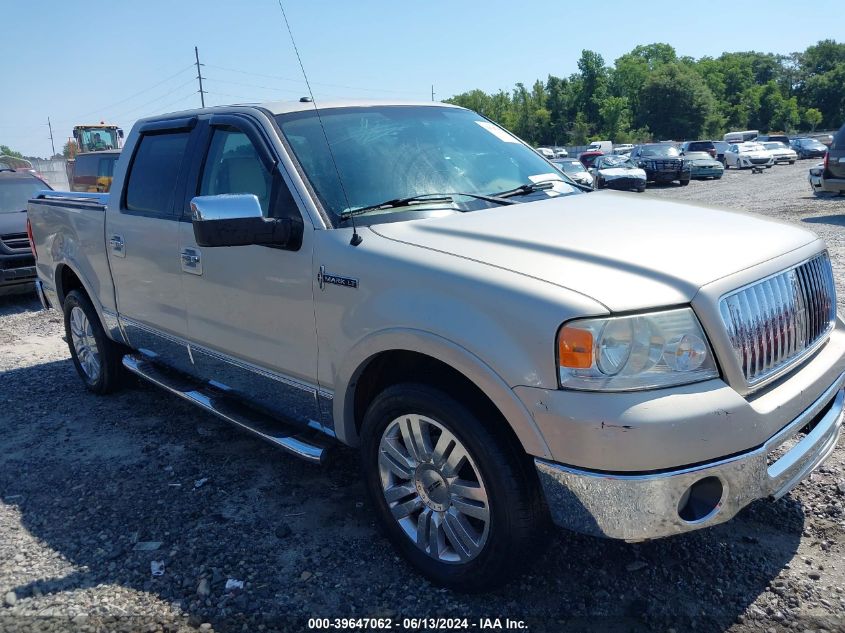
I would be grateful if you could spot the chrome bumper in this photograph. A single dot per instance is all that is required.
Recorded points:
(642, 507)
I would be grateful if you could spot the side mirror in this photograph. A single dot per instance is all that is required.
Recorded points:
(236, 220)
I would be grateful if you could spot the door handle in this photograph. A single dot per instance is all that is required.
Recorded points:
(191, 261)
(117, 245)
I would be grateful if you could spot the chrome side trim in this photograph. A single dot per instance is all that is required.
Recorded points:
(39, 290)
(282, 436)
(642, 507)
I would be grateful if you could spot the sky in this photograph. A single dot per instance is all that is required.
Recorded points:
(90, 60)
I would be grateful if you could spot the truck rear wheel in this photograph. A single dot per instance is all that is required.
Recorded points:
(460, 502)
(96, 357)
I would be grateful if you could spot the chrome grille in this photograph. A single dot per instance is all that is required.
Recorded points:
(774, 322)
(15, 241)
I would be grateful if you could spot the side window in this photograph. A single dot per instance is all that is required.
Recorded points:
(155, 169)
(233, 166)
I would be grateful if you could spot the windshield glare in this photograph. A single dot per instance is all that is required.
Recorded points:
(390, 152)
(612, 162)
(15, 193)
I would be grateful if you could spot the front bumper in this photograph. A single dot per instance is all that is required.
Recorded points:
(13, 273)
(625, 183)
(654, 505)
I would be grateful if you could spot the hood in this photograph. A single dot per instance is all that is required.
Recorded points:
(622, 172)
(627, 252)
(12, 222)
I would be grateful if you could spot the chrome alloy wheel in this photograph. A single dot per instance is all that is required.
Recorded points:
(434, 489)
(82, 336)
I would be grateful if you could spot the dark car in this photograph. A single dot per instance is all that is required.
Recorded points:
(721, 148)
(698, 146)
(17, 265)
(92, 171)
(808, 148)
(662, 163)
(831, 177)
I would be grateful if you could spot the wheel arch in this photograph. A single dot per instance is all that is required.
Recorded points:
(67, 278)
(392, 356)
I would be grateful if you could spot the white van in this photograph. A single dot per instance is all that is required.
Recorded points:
(605, 147)
(741, 137)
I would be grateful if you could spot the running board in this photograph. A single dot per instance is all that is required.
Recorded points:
(298, 440)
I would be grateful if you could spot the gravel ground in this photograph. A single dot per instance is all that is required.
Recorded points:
(94, 490)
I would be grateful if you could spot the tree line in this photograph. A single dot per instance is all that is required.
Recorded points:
(651, 93)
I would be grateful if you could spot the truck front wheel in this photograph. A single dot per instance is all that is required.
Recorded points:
(96, 357)
(458, 500)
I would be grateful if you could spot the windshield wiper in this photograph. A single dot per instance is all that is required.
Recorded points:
(528, 187)
(422, 198)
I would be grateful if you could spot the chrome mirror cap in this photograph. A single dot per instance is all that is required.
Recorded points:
(225, 207)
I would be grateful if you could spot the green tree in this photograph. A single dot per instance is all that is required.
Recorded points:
(615, 116)
(676, 102)
(812, 117)
(5, 150)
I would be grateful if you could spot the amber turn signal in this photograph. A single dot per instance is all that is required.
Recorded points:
(575, 348)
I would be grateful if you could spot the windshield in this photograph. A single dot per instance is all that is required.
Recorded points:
(697, 156)
(751, 147)
(660, 150)
(774, 145)
(14, 193)
(570, 166)
(814, 144)
(393, 152)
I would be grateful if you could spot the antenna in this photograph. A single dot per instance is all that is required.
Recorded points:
(356, 238)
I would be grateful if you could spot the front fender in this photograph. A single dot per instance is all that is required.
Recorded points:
(457, 357)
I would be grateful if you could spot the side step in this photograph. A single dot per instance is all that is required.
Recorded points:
(298, 440)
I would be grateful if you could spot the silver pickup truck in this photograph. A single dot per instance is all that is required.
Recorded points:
(504, 349)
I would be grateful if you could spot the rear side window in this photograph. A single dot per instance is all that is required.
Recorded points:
(155, 169)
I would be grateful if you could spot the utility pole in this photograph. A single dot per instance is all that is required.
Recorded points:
(199, 76)
(49, 125)
(432, 92)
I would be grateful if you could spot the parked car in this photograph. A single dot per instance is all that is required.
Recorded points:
(721, 148)
(662, 163)
(622, 148)
(699, 146)
(588, 157)
(808, 148)
(780, 152)
(560, 152)
(769, 138)
(603, 361)
(830, 177)
(748, 155)
(617, 172)
(702, 166)
(605, 147)
(546, 152)
(575, 169)
(93, 171)
(17, 265)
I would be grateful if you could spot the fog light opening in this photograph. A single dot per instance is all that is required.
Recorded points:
(701, 500)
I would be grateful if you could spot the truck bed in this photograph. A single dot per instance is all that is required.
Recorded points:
(68, 229)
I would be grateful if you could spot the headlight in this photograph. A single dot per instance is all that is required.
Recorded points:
(640, 351)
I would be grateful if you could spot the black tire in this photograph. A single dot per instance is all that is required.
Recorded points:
(518, 514)
(110, 354)
(684, 183)
(792, 162)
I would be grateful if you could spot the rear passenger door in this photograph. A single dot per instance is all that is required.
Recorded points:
(142, 235)
(250, 309)
(836, 155)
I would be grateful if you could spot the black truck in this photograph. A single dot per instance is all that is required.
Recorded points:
(662, 163)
